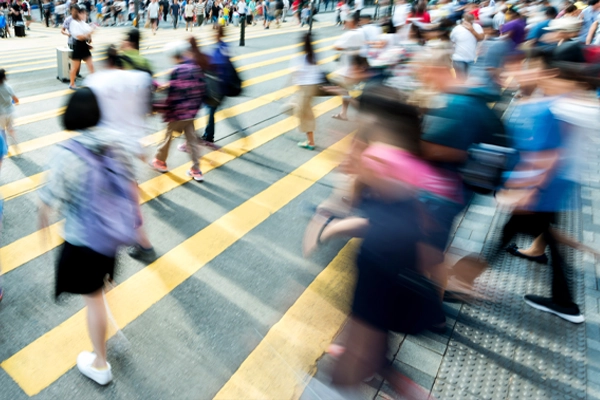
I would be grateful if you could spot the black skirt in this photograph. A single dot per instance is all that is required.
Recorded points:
(81, 270)
(81, 50)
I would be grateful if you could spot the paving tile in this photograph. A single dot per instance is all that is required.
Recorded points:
(485, 201)
(420, 377)
(593, 391)
(486, 219)
(482, 210)
(463, 233)
(479, 236)
(479, 226)
(593, 344)
(467, 245)
(419, 357)
(436, 343)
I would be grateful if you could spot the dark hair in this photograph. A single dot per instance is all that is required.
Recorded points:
(200, 58)
(592, 2)
(570, 9)
(393, 114)
(82, 110)
(2, 75)
(551, 12)
(359, 61)
(113, 58)
(308, 49)
(133, 37)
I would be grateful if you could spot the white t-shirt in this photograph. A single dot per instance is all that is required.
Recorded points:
(371, 33)
(358, 5)
(498, 20)
(400, 14)
(60, 9)
(351, 43)
(153, 10)
(79, 28)
(306, 73)
(465, 44)
(189, 10)
(124, 100)
(242, 8)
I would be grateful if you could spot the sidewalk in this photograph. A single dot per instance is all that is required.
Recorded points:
(501, 348)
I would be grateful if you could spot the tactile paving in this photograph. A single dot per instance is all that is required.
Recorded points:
(503, 349)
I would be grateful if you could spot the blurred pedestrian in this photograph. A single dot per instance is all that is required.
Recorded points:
(91, 182)
(82, 37)
(8, 99)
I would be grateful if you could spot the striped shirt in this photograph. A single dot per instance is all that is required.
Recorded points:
(199, 8)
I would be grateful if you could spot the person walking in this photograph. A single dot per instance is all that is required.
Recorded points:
(153, 9)
(465, 37)
(85, 199)
(184, 100)
(307, 76)
(188, 13)
(175, 11)
(8, 100)
(82, 35)
(26, 7)
(199, 10)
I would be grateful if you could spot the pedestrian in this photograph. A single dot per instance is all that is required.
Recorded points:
(465, 37)
(175, 11)
(47, 9)
(8, 100)
(184, 100)
(124, 96)
(305, 15)
(189, 11)
(165, 9)
(81, 187)
(307, 76)
(82, 36)
(26, 13)
(199, 10)
(59, 13)
(220, 64)
(153, 9)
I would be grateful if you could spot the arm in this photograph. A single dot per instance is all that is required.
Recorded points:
(592, 31)
(470, 28)
(15, 99)
(440, 153)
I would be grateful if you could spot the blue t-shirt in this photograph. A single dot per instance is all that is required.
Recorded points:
(175, 9)
(588, 16)
(532, 128)
(537, 31)
(99, 8)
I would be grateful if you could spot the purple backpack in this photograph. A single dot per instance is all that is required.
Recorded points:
(110, 211)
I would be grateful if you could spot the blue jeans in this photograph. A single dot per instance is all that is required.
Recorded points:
(209, 131)
(461, 68)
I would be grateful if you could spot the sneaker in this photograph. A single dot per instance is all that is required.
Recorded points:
(85, 360)
(160, 166)
(196, 174)
(142, 254)
(569, 313)
(183, 147)
(210, 145)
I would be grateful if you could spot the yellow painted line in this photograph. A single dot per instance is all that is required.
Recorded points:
(280, 73)
(39, 116)
(22, 186)
(32, 246)
(45, 96)
(278, 59)
(43, 361)
(39, 143)
(292, 347)
(159, 50)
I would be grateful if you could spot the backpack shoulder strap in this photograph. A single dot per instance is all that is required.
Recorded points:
(80, 150)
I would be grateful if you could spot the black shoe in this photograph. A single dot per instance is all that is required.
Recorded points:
(139, 253)
(514, 250)
(569, 313)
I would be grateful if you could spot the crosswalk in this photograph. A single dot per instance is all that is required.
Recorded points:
(269, 315)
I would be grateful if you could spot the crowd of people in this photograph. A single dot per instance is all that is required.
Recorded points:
(421, 79)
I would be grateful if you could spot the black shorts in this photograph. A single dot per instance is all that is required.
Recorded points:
(81, 50)
(153, 20)
(81, 270)
(189, 19)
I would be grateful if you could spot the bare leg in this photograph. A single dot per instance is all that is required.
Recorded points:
(537, 248)
(74, 68)
(347, 227)
(89, 64)
(97, 324)
(310, 136)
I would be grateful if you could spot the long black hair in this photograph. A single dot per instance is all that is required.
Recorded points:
(308, 49)
(82, 110)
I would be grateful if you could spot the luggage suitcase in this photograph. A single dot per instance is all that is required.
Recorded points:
(63, 63)
(20, 30)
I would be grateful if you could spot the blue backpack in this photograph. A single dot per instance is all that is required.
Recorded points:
(2, 21)
(110, 211)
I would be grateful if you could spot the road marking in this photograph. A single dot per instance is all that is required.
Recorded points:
(30, 119)
(46, 359)
(160, 50)
(29, 247)
(290, 350)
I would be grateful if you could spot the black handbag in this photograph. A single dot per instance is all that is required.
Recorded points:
(485, 166)
(213, 94)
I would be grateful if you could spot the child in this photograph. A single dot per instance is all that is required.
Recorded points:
(305, 15)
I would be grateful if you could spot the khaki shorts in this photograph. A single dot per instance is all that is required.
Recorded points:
(6, 122)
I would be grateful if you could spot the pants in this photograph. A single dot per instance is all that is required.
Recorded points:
(539, 224)
(209, 132)
(165, 13)
(175, 21)
(47, 16)
(200, 19)
(187, 127)
(461, 68)
(304, 110)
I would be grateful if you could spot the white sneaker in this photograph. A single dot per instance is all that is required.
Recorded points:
(85, 360)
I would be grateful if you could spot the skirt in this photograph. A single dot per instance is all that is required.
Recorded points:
(81, 50)
(81, 270)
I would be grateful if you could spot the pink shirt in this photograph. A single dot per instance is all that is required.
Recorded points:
(398, 164)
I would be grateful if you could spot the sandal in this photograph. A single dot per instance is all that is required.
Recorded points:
(514, 250)
(339, 116)
(307, 146)
(312, 235)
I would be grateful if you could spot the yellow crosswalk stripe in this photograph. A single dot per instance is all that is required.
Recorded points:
(290, 350)
(43, 361)
(33, 245)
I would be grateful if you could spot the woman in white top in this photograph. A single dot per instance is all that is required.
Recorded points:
(307, 76)
(81, 33)
(188, 14)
